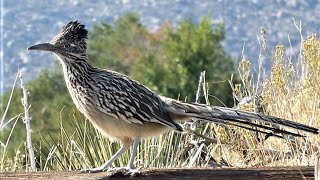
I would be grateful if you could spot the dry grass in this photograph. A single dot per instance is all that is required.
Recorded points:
(290, 91)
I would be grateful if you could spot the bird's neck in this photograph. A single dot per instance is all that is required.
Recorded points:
(76, 68)
(76, 72)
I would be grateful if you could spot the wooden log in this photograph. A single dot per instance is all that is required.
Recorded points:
(292, 173)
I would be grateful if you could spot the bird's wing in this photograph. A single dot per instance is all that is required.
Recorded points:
(130, 101)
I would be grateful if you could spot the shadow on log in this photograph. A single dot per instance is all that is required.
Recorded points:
(292, 173)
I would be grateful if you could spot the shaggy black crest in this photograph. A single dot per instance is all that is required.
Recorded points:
(74, 30)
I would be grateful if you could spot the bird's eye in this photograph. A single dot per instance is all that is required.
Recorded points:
(67, 46)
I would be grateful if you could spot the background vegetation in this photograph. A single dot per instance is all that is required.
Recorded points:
(169, 61)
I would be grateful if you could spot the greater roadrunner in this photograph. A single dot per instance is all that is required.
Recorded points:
(124, 109)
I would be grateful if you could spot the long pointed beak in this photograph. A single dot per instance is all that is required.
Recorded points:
(43, 47)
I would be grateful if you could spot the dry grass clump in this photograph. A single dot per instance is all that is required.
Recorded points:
(290, 91)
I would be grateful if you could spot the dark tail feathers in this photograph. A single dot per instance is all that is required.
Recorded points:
(249, 120)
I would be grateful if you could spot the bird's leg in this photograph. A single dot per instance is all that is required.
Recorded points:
(109, 162)
(129, 170)
(133, 152)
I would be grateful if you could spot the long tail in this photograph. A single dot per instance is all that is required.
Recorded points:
(249, 120)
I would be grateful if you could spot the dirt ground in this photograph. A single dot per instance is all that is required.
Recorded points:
(269, 173)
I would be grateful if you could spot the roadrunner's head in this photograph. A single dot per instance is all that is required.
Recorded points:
(69, 43)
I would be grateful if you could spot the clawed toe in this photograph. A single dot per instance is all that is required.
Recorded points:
(125, 171)
(93, 170)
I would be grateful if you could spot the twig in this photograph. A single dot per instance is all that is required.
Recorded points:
(316, 168)
(208, 139)
(191, 125)
(192, 122)
(201, 78)
(27, 122)
(264, 43)
(205, 88)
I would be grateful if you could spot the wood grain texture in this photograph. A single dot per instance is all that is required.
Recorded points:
(292, 173)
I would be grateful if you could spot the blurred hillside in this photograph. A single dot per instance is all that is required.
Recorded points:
(24, 24)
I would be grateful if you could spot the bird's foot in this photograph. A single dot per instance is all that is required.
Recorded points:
(125, 171)
(94, 170)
